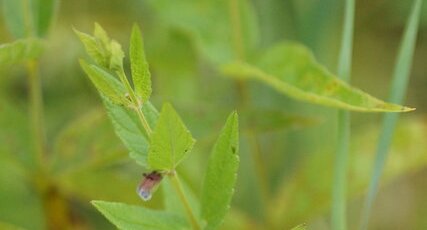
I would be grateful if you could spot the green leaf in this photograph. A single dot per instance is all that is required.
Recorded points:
(25, 18)
(20, 50)
(218, 186)
(170, 142)
(291, 69)
(106, 84)
(139, 66)
(43, 12)
(13, 12)
(128, 128)
(134, 217)
(216, 27)
(92, 49)
(117, 55)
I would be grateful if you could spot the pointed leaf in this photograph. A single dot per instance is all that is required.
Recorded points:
(139, 66)
(135, 217)
(43, 12)
(13, 12)
(127, 127)
(92, 49)
(221, 175)
(170, 142)
(105, 83)
(291, 69)
(20, 50)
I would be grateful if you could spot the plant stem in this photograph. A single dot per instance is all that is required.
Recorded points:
(338, 215)
(36, 113)
(136, 103)
(177, 185)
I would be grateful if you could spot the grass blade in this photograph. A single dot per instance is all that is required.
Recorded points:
(397, 92)
(341, 160)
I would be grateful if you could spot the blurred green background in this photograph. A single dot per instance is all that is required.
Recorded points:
(287, 181)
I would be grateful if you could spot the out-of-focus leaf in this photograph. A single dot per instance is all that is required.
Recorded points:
(86, 142)
(210, 23)
(20, 50)
(13, 12)
(20, 204)
(139, 66)
(128, 128)
(15, 141)
(266, 120)
(221, 174)
(29, 17)
(134, 217)
(170, 142)
(308, 193)
(106, 84)
(291, 69)
(43, 13)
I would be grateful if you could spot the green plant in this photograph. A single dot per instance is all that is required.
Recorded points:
(162, 146)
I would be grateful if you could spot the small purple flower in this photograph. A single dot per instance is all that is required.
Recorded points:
(149, 184)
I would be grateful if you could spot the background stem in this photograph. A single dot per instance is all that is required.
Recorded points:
(36, 113)
(338, 215)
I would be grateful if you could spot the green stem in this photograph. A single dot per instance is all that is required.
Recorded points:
(177, 185)
(338, 215)
(36, 112)
(136, 103)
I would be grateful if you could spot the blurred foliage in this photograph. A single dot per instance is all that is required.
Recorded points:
(89, 161)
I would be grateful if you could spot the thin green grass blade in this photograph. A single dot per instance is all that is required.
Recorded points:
(338, 218)
(397, 92)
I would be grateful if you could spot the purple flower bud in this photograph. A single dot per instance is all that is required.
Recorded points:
(148, 184)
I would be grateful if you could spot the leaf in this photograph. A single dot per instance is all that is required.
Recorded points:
(43, 12)
(213, 25)
(25, 18)
(218, 186)
(106, 84)
(170, 141)
(134, 217)
(20, 50)
(139, 66)
(291, 69)
(117, 55)
(13, 11)
(91, 47)
(127, 127)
